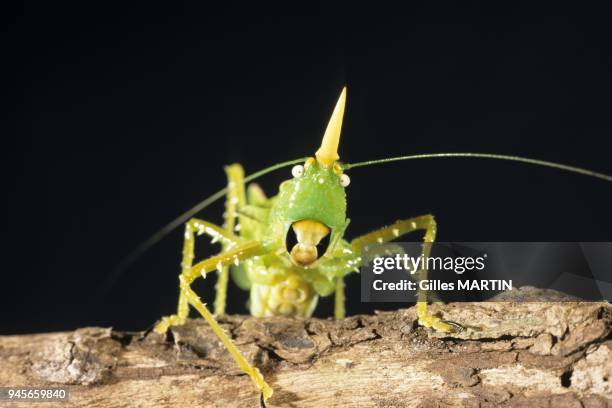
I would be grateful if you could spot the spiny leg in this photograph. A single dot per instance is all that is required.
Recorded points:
(394, 231)
(235, 199)
(238, 254)
(235, 256)
(192, 227)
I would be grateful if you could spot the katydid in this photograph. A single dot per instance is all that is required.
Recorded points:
(286, 279)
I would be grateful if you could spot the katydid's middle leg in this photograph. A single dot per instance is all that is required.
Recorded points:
(339, 309)
(394, 231)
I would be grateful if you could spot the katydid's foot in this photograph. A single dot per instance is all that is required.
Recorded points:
(440, 325)
(167, 321)
(428, 320)
(265, 391)
(458, 328)
(254, 373)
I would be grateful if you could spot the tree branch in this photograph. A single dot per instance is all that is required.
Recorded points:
(512, 353)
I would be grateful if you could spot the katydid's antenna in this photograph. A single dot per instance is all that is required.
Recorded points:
(159, 235)
(544, 163)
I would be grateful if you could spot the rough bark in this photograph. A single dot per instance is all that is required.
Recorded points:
(549, 354)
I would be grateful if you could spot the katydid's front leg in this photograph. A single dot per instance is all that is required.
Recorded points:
(235, 256)
(192, 228)
(394, 231)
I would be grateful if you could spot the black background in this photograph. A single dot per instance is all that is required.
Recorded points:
(123, 117)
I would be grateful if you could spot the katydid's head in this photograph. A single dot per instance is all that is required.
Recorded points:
(312, 205)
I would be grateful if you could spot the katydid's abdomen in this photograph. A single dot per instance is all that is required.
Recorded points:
(279, 288)
(289, 295)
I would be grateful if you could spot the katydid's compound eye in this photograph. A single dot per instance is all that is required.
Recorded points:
(297, 171)
(345, 180)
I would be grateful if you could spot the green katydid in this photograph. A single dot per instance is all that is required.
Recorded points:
(311, 205)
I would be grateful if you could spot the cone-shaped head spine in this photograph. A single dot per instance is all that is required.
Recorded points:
(327, 154)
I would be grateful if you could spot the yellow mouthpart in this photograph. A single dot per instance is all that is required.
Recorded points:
(309, 233)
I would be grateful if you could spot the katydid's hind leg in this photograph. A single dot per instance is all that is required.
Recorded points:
(235, 200)
(192, 228)
(394, 231)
